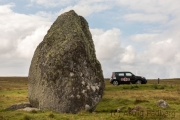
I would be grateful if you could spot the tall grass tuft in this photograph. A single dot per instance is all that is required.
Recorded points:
(155, 86)
(26, 117)
(1, 118)
(178, 90)
(162, 87)
(33, 111)
(134, 86)
(51, 115)
(140, 100)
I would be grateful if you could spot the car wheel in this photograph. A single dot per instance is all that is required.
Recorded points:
(139, 82)
(115, 83)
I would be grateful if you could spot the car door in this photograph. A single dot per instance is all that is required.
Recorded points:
(119, 77)
(129, 77)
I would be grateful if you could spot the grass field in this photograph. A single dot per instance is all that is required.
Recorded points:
(14, 90)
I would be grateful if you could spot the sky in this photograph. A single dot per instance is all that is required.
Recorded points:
(141, 36)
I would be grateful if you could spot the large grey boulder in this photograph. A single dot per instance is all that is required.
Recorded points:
(65, 75)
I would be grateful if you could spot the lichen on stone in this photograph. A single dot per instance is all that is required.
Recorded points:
(65, 64)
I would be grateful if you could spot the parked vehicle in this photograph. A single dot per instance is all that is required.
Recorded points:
(126, 78)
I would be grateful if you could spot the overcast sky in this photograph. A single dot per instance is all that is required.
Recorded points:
(141, 36)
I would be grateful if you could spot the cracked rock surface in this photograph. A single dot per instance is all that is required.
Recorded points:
(65, 75)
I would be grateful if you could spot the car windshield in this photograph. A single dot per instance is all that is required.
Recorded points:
(128, 74)
(120, 74)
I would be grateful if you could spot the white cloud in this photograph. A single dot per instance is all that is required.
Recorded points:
(165, 12)
(177, 58)
(129, 56)
(83, 8)
(19, 28)
(163, 52)
(20, 34)
(4, 9)
(152, 6)
(152, 53)
(55, 3)
(48, 15)
(107, 43)
(108, 48)
(52, 3)
(27, 46)
(86, 10)
(146, 37)
(160, 58)
(148, 18)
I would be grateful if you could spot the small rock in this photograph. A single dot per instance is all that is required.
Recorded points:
(162, 104)
(30, 109)
(19, 106)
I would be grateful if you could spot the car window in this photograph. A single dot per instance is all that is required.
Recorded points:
(128, 74)
(120, 74)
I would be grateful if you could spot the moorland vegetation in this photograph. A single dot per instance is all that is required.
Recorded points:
(123, 102)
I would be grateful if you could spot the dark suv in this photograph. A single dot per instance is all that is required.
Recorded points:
(126, 78)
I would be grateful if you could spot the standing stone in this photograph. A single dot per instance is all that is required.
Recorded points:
(65, 75)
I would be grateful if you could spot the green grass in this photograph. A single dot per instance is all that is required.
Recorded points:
(14, 90)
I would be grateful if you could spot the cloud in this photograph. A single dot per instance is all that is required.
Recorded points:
(161, 55)
(149, 6)
(151, 51)
(145, 37)
(107, 43)
(160, 58)
(4, 9)
(148, 18)
(18, 27)
(129, 55)
(160, 45)
(177, 58)
(51, 16)
(163, 52)
(162, 11)
(52, 3)
(26, 46)
(108, 48)
(20, 34)
(86, 10)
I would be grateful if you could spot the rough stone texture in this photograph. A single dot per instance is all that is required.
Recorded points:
(19, 106)
(30, 109)
(162, 104)
(65, 75)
